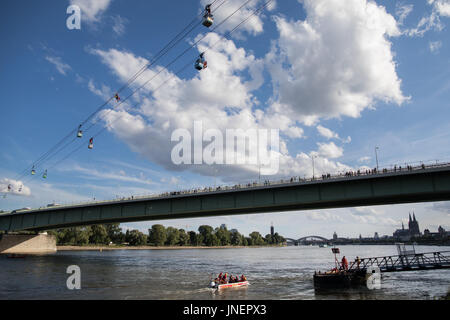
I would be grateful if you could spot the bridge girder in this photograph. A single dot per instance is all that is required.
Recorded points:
(379, 189)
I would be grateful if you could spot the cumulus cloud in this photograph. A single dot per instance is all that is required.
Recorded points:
(103, 92)
(330, 150)
(329, 134)
(59, 64)
(335, 63)
(15, 187)
(91, 10)
(441, 6)
(220, 97)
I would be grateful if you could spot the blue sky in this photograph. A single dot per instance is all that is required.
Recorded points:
(335, 79)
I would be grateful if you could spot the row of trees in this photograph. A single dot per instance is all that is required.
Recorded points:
(159, 235)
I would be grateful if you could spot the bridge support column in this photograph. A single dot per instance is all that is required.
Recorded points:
(27, 244)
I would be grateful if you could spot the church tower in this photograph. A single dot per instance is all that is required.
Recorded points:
(414, 230)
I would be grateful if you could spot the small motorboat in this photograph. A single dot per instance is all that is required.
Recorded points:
(217, 286)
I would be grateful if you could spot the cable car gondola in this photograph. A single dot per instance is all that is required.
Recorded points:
(208, 19)
(33, 172)
(45, 174)
(201, 63)
(80, 132)
(91, 143)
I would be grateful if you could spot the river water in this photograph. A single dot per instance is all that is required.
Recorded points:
(274, 273)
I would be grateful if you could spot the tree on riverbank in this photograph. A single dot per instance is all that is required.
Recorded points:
(210, 237)
(160, 236)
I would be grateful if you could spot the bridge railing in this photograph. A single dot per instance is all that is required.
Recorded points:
(403, 261)
(421, 165)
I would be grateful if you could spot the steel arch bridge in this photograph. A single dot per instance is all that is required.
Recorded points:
(311, 238)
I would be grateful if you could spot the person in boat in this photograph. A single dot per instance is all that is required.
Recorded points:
(224, 279)
(344, 263)
(217, 280)
(243, 278)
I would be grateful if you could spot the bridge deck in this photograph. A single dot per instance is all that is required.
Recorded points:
(420, 184)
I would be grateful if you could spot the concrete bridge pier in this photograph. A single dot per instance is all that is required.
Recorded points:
(27, 244)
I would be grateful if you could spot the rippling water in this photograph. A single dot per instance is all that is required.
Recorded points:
(274, 273)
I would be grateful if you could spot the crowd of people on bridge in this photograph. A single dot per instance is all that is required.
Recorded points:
(294, 179)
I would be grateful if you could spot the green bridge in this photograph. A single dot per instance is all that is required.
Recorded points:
(418, 184)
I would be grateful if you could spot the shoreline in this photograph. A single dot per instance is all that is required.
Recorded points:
(112, 248)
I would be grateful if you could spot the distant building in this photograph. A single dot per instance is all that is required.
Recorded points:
(413, 226)
(272, 230)
(402, 234)
(335, 236)
(376, 236)
(441, 234)
(413, 230)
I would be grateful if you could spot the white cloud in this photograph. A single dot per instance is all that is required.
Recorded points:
(121, 175)
(330, 150)
(59, 64)
(104, 92)
(403, 11)
(220, 96)
(374, 220)
(323, 216)
(119, 25)
(432, 21)
(435, 46)
(441, 6)
(364, 159)
(16, 187)
(441, 207)
(91, 10)
(337, 62)
(327, 133)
